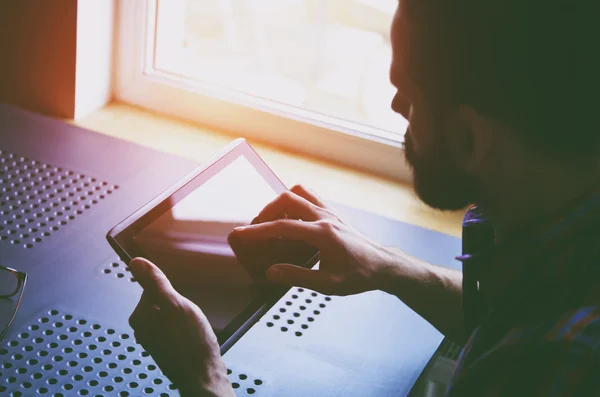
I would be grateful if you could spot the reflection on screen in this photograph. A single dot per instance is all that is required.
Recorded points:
(190, 240)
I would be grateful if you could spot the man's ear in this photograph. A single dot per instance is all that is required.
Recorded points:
(469, 137)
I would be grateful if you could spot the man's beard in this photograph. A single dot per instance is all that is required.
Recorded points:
(439, 182)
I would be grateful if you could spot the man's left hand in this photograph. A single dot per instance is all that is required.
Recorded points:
(177, 335)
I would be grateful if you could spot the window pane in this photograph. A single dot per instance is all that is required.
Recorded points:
(328, 56)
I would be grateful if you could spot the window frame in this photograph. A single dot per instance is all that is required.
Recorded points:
(137, 82)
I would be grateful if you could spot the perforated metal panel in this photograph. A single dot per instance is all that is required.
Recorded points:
(60, 354)
(37, 199)
(298, 309)
(117, 269)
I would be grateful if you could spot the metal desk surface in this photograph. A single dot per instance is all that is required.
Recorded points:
(62, 188)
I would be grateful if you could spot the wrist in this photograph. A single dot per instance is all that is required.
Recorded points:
(394, 270)
(212, 382)
(219, 387)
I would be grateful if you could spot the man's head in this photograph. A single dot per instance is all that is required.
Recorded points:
(485, 83)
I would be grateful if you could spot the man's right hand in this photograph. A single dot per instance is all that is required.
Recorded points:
(350, 262)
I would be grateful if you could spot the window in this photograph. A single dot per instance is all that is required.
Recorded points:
(309, 75)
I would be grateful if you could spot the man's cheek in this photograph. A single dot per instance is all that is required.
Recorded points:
(421, 129)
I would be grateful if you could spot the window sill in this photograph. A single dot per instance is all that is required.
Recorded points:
(331, 181)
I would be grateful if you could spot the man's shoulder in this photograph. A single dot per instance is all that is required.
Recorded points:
(577, 329)
(557, 356)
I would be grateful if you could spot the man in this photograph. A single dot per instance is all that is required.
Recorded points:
(501, 102)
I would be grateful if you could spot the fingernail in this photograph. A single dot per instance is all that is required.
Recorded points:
(240, 239)
(274, 274)
(138, 264)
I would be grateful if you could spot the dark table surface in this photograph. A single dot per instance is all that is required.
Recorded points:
(62, 188)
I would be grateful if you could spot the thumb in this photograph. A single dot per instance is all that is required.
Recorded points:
(153, 281)
(298, 276)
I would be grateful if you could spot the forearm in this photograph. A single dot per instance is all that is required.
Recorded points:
(432, 291)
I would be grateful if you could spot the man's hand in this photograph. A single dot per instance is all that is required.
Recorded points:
(177, 335)
(350, 263)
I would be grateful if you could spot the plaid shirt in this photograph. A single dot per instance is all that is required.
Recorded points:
(532, 307)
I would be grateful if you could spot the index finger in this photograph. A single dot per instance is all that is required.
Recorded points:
(289, 205)
(288, 229)
(308, 194)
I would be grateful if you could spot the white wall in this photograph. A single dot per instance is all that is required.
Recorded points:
(94, 61)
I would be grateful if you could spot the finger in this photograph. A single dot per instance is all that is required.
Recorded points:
(151, 341)
(284, 228)
(301, 277)
(154, 282)
(143, 312)
(148, 325)
(308, 194)
(289, 205)
(135, 319)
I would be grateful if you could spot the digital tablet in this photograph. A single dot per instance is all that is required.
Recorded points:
(184, 231)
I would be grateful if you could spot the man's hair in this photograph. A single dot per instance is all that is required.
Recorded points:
(531, 64)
